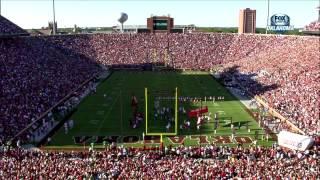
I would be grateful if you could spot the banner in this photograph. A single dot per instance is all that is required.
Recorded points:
(294, 141)
(197, 112)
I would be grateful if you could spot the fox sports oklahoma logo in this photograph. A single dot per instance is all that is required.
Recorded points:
(280, 23)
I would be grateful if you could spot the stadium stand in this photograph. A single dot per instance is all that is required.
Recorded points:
(35, 76)
(209, 162)
(290, 64)
(313, 26)
(8, 28)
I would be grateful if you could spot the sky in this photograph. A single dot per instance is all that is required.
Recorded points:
(104, 13)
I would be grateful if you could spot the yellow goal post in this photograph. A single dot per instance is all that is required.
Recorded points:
(175, 117)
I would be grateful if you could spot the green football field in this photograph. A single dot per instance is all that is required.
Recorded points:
(104, 116)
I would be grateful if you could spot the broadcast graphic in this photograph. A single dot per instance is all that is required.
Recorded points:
(280, 23)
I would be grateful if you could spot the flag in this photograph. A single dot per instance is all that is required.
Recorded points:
(134, 101)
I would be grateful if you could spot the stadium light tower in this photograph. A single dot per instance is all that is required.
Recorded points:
(268, 1)
(54, 18)
(318, 8)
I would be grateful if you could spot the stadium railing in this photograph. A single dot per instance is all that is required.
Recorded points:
(274, 113)
(271, 110)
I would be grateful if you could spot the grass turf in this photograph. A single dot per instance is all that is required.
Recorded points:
(108, 111)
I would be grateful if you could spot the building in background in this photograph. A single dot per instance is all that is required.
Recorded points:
(247, 21)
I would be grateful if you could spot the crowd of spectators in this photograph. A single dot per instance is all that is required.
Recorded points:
(9, 28)
(313, 26)
(34, 77)
(291, 67)
(206, 162)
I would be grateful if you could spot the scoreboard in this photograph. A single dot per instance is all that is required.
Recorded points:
(160, 24)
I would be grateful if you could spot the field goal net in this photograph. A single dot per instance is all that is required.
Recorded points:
(161, 115)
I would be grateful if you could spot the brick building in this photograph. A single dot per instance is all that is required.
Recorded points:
(247, 21)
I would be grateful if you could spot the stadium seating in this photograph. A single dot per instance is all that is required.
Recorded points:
(35, 76)
(9, 28)
(290, 64)
(208, 162)
(313, 26)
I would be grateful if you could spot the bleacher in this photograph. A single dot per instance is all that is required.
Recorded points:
(9, 29)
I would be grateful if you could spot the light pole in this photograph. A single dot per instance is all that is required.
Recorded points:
(268, 17)
(318, 8)
(54, 18)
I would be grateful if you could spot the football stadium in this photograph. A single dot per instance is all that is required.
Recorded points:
(161, 101)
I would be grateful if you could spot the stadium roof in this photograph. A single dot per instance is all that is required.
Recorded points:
(8, 28)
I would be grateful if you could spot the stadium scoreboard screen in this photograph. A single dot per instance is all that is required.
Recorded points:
(160, 24)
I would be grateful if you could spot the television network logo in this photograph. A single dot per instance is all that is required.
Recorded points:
(280, 23)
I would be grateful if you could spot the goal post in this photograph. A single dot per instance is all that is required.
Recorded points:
(146, 111)
(148, 133)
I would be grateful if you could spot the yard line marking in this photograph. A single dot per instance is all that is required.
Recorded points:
(104, 119)
(100, 113)
(221, 112)
(101, 123)
(105, 105)
(94, 122)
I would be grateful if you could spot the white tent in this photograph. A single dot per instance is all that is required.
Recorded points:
(294, 141)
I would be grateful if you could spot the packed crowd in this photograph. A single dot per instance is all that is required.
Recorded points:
(291, 68)
(313, 26)
(34, 77)
(206, 162)
(9, 28)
